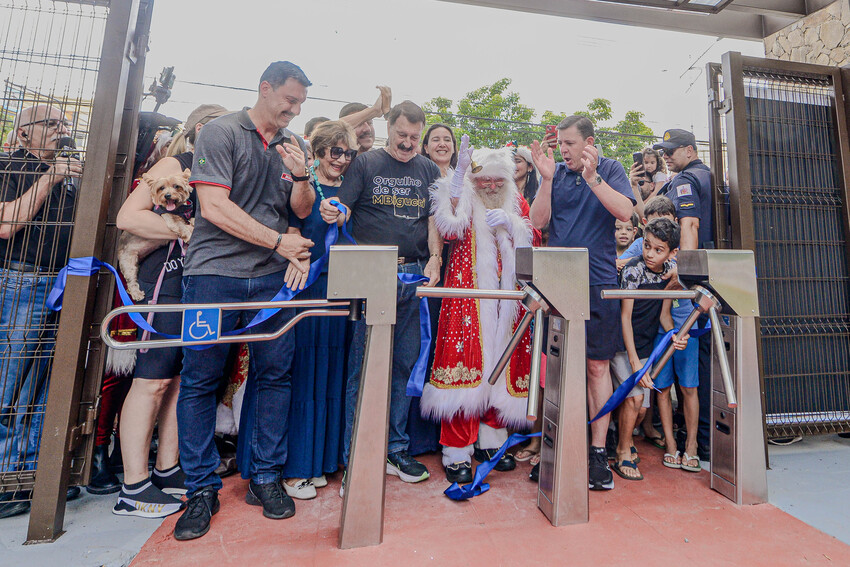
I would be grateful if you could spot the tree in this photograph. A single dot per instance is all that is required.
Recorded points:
(490, 115)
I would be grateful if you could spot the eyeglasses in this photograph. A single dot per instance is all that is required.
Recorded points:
(337, 152)
(670, 152)
(489, 182)
(51, 123)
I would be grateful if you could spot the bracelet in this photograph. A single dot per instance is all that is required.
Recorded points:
(439, 256)
(277, 244)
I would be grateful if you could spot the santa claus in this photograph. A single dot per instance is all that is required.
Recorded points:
(478, 210)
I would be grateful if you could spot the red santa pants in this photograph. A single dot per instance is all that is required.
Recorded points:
(462, 431)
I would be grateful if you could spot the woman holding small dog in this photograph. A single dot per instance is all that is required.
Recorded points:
(163, 191)
(318, 369)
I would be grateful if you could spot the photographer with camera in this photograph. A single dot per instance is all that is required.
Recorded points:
(39, 195)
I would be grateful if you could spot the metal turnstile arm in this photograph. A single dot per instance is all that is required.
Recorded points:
(720, 351)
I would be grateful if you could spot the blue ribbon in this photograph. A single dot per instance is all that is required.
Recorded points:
(416, 381)
(478, 486)
(623, 391)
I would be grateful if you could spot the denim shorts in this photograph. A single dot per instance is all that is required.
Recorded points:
(684, 366)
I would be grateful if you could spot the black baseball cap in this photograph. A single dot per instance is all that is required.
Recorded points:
(675, 138)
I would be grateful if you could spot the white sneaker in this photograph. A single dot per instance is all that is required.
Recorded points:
(319, 481)
(342, 486)
(303, 490)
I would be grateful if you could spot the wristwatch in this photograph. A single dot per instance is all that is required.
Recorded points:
(299, 178)
(595, 182)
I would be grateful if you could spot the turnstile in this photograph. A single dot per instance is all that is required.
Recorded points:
(355, 274)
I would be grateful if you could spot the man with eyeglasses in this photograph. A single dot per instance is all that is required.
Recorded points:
(36, 217)
(690, 191)
(385, 193)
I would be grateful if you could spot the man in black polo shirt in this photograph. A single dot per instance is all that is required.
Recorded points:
(249, 172)
(386, 195)
(690, 191)
(38, 195)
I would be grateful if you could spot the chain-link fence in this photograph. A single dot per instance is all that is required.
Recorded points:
(49, 58)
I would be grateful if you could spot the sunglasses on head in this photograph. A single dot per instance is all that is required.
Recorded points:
(337, 152)
(51, 123)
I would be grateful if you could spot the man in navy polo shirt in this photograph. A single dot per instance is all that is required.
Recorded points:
(690, 191)
(579, 200)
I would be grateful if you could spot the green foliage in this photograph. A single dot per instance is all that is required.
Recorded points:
(492, 116)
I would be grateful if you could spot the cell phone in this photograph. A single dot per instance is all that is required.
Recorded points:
(551, 135)
(551, 129)
(638, 157)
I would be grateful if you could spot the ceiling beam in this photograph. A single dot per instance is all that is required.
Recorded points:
(727, 23)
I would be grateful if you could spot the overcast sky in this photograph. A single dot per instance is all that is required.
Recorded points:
(428, 48)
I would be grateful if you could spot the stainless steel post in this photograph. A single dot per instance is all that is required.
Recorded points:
(367, 272)
(534, 375)
(738, 463)
(720, 352)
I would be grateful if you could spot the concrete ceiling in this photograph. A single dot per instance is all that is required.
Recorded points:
(740, 19)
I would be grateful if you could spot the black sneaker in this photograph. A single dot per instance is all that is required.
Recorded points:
(276, 503)
(172, 481)
(145, 501)
(14, 503)
(200, 509)
(405, 467)
(460, 473)
(506, 463)
(600, 477)
(534, 475)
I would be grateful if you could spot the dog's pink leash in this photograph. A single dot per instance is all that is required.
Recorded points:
(146, 335)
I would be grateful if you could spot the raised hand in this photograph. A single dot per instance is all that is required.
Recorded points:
(464, 159)
(544, 160)
(293, 158)
(589, 160)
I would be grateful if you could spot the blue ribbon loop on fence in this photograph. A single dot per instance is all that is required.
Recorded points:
(623, 391)
(478, 486)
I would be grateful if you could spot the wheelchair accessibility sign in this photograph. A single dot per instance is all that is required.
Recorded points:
(201, 325)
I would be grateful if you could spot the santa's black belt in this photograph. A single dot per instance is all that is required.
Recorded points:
(409, 260)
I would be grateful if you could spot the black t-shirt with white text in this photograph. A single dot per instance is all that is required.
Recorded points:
(389, 201)
(646, 313)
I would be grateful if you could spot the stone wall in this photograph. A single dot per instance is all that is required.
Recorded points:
(822, 37)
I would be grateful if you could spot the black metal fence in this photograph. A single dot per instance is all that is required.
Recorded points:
(49, 57)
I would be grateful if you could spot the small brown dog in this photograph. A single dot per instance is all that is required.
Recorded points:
(170, 196)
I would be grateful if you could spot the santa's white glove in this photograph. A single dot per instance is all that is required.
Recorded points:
(464, 158)
(496, 218)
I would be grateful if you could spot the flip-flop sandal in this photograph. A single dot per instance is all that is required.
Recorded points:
(635, 456)
(687, 459)
(535, 460)
(658, 442)
(619, 465)
(524, 455)
(676, 464)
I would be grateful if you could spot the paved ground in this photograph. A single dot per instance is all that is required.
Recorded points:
(670, 516)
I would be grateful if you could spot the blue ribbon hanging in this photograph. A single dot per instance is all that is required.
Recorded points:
(416, 381)
(623, 391)
(478, 486)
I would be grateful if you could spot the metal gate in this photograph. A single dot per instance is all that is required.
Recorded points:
(84, 58)
(787, 166)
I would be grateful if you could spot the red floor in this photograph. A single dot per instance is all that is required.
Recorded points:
(670, 518)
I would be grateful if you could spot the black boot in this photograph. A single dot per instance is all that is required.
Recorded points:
(103, 481)
(115, 462)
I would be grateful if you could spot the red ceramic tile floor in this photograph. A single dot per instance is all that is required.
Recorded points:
(670, 518)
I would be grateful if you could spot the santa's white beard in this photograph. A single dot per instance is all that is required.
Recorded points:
(491, 201)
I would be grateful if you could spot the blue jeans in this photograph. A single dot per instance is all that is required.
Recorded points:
(405, 353)
(27, 347)
(270, 361)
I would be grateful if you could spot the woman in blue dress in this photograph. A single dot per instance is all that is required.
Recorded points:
(318, 371)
